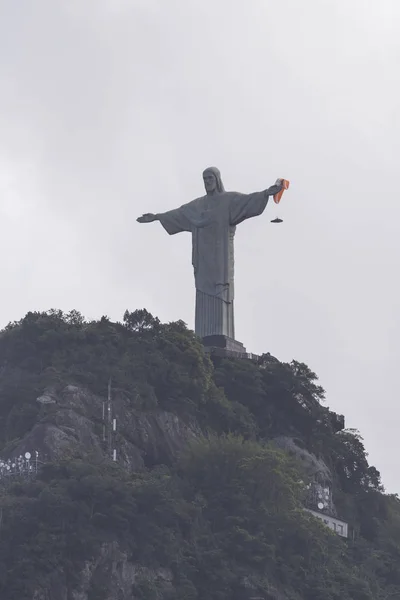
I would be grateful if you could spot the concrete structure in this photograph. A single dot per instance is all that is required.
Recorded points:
(337, 525)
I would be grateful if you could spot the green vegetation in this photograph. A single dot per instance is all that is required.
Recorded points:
(226, 517)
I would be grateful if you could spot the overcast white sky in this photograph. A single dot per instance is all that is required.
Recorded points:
(112, 108)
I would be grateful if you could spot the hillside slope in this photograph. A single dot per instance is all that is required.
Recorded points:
(206, 499)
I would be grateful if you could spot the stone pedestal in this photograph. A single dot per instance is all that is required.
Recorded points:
(222, 341)
(221, 345)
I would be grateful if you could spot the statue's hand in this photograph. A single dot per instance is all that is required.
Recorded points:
(147, 218)
(274, 189)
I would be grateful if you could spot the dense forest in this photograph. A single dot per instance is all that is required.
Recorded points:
(222, 519)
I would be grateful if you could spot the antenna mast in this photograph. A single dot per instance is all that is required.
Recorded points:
(109, 425)
(109, 418)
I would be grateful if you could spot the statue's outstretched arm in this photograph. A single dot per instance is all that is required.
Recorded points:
(246, 206)
(173, 221)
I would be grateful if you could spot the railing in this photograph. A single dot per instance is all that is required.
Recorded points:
(24, 466)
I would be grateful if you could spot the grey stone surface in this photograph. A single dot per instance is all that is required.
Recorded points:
(70, 426)
(212, 221)
(112, 571)
(224, 353)
(222, 341)
(316, 468)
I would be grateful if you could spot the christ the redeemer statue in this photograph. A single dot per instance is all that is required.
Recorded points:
(212, 221)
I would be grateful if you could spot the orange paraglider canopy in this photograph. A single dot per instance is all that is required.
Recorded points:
(285, 186)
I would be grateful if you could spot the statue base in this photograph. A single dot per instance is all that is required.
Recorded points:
(223, 341)
(222, 345)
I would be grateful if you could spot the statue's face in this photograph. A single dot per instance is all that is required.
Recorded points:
(210, 182)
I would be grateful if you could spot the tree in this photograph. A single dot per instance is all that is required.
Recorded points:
(141, 320)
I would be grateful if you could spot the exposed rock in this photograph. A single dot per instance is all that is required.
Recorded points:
(71, 424)
(49, 396)
(315, 467)
(111, 572)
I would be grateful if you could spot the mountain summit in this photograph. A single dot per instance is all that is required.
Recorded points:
(135, 466)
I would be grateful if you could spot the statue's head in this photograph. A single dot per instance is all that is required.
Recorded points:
(212, 181)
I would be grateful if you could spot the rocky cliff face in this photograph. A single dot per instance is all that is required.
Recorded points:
(110, 576)
(314, 467)
(70, 424)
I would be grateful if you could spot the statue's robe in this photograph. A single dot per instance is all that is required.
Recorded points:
(212, 222)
